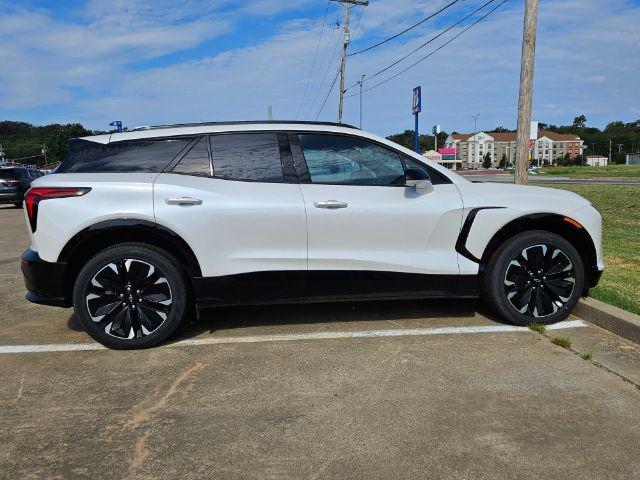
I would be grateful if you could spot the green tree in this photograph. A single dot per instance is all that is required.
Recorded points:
(486, 162)
(580, 121)
(503, 161)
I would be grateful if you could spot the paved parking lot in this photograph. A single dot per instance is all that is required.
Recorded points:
(370, 390)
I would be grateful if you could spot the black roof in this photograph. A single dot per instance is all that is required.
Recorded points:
(244, 122)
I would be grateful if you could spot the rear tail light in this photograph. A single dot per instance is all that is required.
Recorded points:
(38, 194)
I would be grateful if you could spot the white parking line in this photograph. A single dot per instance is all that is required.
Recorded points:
(400, 332)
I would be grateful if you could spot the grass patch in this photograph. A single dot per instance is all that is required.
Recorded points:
(593, 172)
(620, 209)
(563, 342)
(538, 327)
(586, 356)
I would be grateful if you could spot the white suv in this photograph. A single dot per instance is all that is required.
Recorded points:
(136, 227)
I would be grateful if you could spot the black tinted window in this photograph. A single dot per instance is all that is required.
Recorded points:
(10, 173)
(196, 161)
(247, 156)
(350, 161)
(130, 156)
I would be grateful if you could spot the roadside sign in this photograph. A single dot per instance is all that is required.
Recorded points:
(416, 106)
(436, 129)
(533, 133)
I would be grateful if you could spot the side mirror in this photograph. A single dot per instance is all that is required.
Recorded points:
(418, 178)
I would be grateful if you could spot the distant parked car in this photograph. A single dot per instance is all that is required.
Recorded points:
(14, 182)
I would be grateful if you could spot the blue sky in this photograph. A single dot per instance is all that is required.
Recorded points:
(168, 61)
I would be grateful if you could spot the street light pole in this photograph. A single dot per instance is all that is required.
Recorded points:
(360, 83)
(475, 127)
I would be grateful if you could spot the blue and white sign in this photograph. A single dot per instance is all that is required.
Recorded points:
(416, 106)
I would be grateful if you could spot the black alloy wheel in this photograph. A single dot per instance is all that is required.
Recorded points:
(131, 295)
(129, 298)
(535, 276)
(540, 280)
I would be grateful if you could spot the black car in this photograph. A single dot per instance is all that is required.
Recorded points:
(14, 182)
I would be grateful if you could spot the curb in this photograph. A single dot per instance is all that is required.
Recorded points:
(614, 319)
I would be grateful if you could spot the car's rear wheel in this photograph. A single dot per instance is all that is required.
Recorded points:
(130, 296)
(535, 276)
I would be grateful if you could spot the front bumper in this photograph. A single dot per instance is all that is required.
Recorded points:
(44, 280)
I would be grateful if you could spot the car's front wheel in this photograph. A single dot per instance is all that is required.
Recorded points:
(535, 276)
(130, 296)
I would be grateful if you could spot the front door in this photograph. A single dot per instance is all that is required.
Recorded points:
(362, 218)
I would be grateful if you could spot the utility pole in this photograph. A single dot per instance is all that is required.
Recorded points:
(526, 89)
(360, 83)
(347, 38)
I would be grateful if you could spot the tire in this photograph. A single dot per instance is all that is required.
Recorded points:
(535, 276)
(18, 204)
(143, 315)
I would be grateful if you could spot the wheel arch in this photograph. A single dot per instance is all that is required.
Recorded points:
(89, 241)
(561, 225)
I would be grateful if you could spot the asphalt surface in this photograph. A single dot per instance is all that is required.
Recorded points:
(370, 390)
(505, 178)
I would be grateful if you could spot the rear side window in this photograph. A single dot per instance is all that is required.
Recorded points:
(196, 161)
(247, 156)
(10, 173)
(150, 156)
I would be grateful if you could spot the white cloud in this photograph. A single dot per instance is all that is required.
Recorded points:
(587, 63)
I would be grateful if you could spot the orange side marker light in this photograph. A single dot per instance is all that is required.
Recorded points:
(572, 222)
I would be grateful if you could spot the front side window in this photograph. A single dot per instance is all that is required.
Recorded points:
(247, 157)
(350, 161)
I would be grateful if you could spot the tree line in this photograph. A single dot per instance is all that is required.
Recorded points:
(21, 139)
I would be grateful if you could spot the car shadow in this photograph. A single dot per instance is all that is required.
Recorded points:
(238, 318)
(242, 317)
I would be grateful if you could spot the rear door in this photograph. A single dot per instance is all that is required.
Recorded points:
(235, 200)
(362, 217)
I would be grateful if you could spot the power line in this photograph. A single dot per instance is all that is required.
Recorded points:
(328, 94)
(405, 30)
(369, 77)
(313, 63)
(434, 51)
(358, 22)
(324, 77)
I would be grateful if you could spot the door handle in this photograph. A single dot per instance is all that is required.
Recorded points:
(330, 204)
(183, 201)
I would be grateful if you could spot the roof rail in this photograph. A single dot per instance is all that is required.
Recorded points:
(243, 122)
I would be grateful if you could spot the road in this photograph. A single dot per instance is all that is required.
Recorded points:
(534, 179)
(354, 390)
